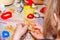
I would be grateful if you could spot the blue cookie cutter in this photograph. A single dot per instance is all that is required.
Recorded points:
(5, 34)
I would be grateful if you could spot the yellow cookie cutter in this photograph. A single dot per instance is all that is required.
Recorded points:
(28, 9)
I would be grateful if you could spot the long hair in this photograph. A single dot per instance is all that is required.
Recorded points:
(50, 24)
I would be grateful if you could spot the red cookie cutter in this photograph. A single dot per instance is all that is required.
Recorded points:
(43, 10)
(28, 2)
(30, 16)
(6, 15)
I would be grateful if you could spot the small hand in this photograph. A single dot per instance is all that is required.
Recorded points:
(37, 32)
(20, 31)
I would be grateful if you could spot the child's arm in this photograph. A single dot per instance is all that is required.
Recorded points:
(19, 32)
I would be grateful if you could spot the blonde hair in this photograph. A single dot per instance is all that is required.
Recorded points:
(50, 29)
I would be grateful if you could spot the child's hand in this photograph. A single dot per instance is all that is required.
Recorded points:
(20, 31)
(37, 32)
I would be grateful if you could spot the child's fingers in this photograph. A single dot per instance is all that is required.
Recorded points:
(36, 35)
(19, 25)
(25, 28)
